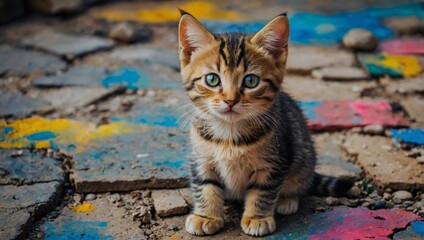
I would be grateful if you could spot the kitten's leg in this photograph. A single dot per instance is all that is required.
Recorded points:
(208, 195)
(258, 217)
(287, 205)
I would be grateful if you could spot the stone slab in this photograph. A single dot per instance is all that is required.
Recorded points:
(390, 65)
(21, 62)
(410, 135)
(340, 73)
(414, 107)
(344, 223)
(337, 115)
(169, 203)
(148, 157)
(405, 86)
(414, 232)
(75, 76)
(300, 88)
(14, 224)
(403, 46)
(331, 158)
(16, 104)
(387, 169)
(147, 55)
(28, 168)
(107, 221)
(304, 59)
(67, 45)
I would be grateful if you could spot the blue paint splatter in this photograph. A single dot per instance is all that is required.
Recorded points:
(152, 115)
(311, 28)
(410, 135)
(170, 164)
(7, 130)
(129, 77)
(41, 136)
(69, 229)
(418, 228)
(308, 108)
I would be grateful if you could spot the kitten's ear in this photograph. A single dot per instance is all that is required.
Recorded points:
(191, 35)
(274, 37)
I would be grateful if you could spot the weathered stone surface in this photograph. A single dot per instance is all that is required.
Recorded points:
(414, 232)
(21, 62)
(360, 39)
(66, 44)
(147, 54)
(14, 224)
(186, 194)
(405, 25)
(28, 168)
(333, 115)
(308, 89)
(340, 73)
(75, 97)
(359, 223)
(388, 169)
(148, 157)
(414, 107)
(169, 203)
(10, 10)
(56, 6)
(16, 104)
(76, 76)
(331, 159)
(122, 32)
(304, 59)
(405, 86)
(107, 221)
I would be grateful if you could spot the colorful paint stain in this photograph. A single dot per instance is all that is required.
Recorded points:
(410, 135)
(334, 115)
(168, 12)
(391, 65)
(403, 46)
(151, 114)
(137, 78)
(41, 133)
(84, 207)
(414, 232)
(345, 223)
(68, 229)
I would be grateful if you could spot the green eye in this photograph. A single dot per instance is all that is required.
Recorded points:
(251, 81)
(212, 80)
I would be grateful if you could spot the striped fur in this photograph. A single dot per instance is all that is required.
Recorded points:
(261, 152)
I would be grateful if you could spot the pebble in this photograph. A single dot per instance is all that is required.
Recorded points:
(114, 198)
(397, 200)
(77, 198)
(374, 194)
(387, 196)
(403, 195)
(346, 202)
(379, 204)
(90, 197)
(355, 191)
(122, 32)
(375, 129)
(332, 201)
(365, 204)
(389, 205)
(410, 209)
(173, 227)
(360, 39)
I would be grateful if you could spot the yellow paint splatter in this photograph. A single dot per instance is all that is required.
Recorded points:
(52, 133)
(168, 12)
(174, 237)
(408, 66)
(84, 207)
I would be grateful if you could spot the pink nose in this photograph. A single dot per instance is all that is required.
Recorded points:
(231, 103)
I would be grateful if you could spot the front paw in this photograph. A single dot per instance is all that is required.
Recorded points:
(199, 225)
(258, 226)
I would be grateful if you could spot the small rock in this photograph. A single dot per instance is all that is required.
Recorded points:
(389, 205)
(114, 198)
(420, 159)
(387, 196)
(90, 197)
(77, 198)
(355, 191)
(396, 200)
(122, 32)
(320, 209)
(374, 129)
(405, 25)
(419, 205)
(332, 201)
(365, 204)
(346, 202)
(169, 203)
(148, 232)
(173, 227)
(379, 204)
(374, 194)
(403, 195)
(410, 209)
(360, 39)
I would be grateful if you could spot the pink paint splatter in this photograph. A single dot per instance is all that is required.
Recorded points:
(403, 46)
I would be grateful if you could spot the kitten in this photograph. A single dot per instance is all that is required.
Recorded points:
(250, 140)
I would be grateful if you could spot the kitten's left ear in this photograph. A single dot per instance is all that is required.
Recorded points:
(192, 35)
(274, 37)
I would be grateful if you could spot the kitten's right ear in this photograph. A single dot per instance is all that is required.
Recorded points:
(191, 36)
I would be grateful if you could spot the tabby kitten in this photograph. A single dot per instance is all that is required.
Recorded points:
(250, 140)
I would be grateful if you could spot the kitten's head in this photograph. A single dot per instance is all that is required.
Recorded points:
(233, 76)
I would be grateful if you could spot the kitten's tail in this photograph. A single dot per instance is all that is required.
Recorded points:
(325, 185)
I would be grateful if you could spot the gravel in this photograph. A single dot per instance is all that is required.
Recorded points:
(403, 195)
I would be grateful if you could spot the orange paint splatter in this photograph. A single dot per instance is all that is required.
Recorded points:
(84, 207)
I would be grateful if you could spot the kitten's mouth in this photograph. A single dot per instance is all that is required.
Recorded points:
(230, 112)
